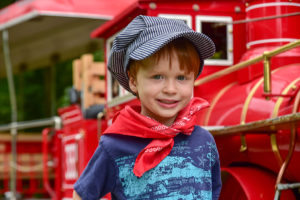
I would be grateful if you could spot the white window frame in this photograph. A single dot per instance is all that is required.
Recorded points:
(219, 19)
(186, 18)
(109, 83)
(122, 91)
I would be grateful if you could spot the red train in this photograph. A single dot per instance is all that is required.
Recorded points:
(252, 84)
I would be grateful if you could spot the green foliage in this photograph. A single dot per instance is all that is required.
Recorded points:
(31, 95)
(63, 78)
(4, 3)
(4, 102)
(33, 91)
(99, 56)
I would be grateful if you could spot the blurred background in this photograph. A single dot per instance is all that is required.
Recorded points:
(33, 83)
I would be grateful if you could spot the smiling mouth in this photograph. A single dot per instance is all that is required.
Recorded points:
(167, 103)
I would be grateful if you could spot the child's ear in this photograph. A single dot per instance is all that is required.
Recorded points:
(132, 84)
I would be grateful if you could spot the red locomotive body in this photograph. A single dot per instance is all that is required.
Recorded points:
(246, 100)
(252, 84)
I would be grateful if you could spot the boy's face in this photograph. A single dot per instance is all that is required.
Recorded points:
(163, 89)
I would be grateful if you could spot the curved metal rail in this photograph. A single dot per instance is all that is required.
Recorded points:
(266, 56)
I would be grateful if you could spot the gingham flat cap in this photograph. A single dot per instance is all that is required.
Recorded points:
(145, 35)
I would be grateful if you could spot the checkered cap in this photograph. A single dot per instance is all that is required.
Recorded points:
(145, 35)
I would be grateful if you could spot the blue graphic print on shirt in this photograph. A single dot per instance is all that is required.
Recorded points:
(184, 174)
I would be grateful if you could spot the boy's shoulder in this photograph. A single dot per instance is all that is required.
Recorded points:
(203, 133)
(118, 145)
(199, 137)
(116, 139)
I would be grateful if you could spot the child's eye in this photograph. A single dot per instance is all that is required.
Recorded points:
(181, 77)
(157, 77)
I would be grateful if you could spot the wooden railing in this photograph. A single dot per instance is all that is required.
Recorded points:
(89, 79)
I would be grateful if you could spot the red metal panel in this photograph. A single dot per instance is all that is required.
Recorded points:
(78, 140)
(228, 111)
(249, 183)
(268, 34)
(273, 31)
(259, 108)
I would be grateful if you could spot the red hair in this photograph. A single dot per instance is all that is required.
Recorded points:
(187, 54)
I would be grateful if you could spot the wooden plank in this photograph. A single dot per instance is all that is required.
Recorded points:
(39, 175)
(98, 86)
(98, 100)
(22, 137)
(98, 69)
(29, 166)
(24, 157)
(87, 60)
(77, 73)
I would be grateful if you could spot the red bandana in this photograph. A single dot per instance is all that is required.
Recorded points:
(130, 122)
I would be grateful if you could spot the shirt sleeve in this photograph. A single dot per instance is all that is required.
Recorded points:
(216, 174)
(98, 178)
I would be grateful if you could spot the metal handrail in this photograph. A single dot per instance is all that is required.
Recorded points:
(257, 127)
(56, 121)
(285, 186)
(246, 63)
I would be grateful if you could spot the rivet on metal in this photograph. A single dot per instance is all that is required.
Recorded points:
(196, 7)
(237, 9)
(152, 6)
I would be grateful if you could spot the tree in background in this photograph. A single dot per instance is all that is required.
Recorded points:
(4, 3)
(32, 91)
(33, 88)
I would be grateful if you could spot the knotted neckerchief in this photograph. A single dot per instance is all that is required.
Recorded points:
(130, 122)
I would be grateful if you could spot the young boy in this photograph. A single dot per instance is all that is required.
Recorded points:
(155, 151)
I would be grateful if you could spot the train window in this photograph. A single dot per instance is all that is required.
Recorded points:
(114, 89)
(219, 29)
(186, 18)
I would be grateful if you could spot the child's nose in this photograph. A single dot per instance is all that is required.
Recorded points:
(170, 87)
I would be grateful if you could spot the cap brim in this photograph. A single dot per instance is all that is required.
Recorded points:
(203, 44)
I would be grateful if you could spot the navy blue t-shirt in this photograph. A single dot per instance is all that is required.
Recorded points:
(190, 172)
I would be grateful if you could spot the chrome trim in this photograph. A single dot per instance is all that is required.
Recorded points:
(263, 5)
(32, 124)
(120, 100)
(273, 138)
(273, 40)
